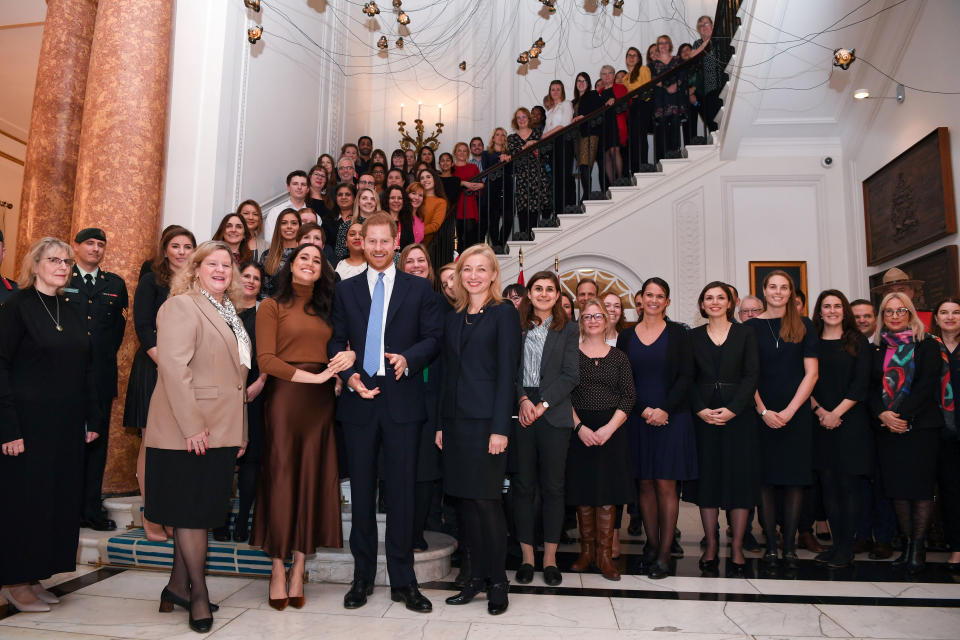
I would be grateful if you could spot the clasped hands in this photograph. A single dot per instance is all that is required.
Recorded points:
(598, 438)
(828, 419)
(396, 360)
(200, 442)
(655, 417)
(892, 421)
(776, 419)
(718, 417)
(529, 412)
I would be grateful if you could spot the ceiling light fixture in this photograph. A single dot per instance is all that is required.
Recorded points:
(254, 34)
(382, 42)
(843, 58)
(861, 94)
(253, 5)
(399, 43)
(463, 65)
(403, 18)
(864, 94)
(371, 9)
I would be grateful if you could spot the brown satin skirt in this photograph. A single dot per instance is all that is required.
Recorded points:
(298, 492)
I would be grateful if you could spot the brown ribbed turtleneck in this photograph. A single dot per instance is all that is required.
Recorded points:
(287, 335)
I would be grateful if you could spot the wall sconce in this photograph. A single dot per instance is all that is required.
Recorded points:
(843, 58)
(254, 34)
(252, 4)
(371, 9)
(864, 94)
(403, 18)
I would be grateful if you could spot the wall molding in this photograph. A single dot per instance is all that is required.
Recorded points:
(689, 251)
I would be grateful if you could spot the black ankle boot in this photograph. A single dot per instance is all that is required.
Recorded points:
(464, 576)
(918, 556)
(469, 592)
(497, 601)
(904, 556)
(584, 182)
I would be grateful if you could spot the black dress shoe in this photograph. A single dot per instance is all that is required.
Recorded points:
(676, 551)
(769, 561)
(202, 625)
(241, 533)
(881, 551)
(525, 574)
(222, 534)
(840, 562)
(709, 565)
(952, 567)
(635, 528)
(825, 557)
(411, 597)
(658, 571)
(736, 569)
(99, 523)
(552, 576)
(790, 560)
(168, 599)
(357, 596)
(750, 542)
(468, 593)
(497, 601)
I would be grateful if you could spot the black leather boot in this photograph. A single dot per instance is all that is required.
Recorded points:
(904, 556)
(468, 593)
(584, 182)
(918, 556)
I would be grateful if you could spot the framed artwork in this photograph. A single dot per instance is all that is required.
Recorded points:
(937, 270)
(910, 202)
(797, 270)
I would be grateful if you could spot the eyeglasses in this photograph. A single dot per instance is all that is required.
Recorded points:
(515, 297)
(890, 313)
(594, 316)
(67, 262)
(751, 313)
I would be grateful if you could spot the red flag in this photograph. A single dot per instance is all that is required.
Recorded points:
(520, 278)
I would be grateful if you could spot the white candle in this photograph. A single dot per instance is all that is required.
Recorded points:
(419, 105)
(401, 112)
(439, 113)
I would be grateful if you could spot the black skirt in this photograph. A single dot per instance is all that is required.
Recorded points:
(908, 463)
(598, 476)
(189, 491)
(143, 379)
(469, 471)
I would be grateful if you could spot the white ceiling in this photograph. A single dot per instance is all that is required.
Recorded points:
(784, 83)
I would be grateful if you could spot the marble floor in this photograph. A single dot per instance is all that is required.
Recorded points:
(872, 600)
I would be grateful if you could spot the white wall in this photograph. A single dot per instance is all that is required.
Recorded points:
(928, 62)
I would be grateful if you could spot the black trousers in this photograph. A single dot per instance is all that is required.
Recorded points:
(710, 107)
(640, 124)
(400, 442)
(542, 460)
(948, 481)
(94, 462)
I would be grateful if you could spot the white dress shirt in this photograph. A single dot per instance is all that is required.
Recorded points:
(83, 274)
(389, 277)
(271, 217)
(560, 116)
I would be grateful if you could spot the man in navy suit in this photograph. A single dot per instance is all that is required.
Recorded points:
(392, 321)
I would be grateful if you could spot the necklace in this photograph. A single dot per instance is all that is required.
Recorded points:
(776, 338)
(56, 321)
(466, 316)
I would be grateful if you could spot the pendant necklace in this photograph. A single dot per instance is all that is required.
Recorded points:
(56, 321)
(775, 336)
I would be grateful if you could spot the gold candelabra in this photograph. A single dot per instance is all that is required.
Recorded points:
(407, 141)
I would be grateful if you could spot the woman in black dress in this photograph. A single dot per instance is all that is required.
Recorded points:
(598, 459)
(585, 101)
(908, 396)
(282, 244)
(842, 441)
(946, 326)
(530, 194)
(661, 427)
(176, 246)
(787, 345)
(549, 371)
(44, 422)
(725, 379)
(480, 353)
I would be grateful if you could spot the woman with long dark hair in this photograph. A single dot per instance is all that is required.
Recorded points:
(946, 327)
(788, 349)
(641, 108)
(233, 232)
(664, 445)
(549, 371)
(910, 397)
(438, 225)
(398, 206)
(298, 497)
(282, 244)
(251, 213)
(176, 246)
(667, 97)
(842, 441)
(335, 226)
(586, 101)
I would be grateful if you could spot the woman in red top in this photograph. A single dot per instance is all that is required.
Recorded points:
(468, 210)
(614, 136)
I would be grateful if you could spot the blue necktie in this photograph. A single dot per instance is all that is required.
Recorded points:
(371, 349)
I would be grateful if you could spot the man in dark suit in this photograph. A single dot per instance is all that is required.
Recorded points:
(102, 297)
(7, 287)
(392, 321)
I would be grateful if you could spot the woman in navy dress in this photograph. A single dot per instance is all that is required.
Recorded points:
(663, 442)
(787, 345)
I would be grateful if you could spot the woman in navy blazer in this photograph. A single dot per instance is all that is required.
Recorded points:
(480, 349)
(548, 373)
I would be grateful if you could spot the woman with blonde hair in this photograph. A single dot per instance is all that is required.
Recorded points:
(44, 422)
(495, 202)
(909, 397)
(480, 353)
(282, 244)
(468, 212)
(196, 428)
(530, 194)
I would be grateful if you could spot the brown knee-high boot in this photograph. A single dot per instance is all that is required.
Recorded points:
(588, 539)
(606, 517)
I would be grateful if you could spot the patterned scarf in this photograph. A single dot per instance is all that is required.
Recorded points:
(899, 372)
(229, 314)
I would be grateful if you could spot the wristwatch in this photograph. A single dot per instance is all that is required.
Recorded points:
(763, 413)
(546, 405)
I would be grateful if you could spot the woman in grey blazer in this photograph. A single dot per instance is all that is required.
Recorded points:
(548, 372)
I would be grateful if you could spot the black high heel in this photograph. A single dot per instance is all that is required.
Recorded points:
(202, 625)
(469, 592)
(168, 599)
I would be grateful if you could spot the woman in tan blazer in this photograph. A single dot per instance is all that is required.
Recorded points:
(196, 427)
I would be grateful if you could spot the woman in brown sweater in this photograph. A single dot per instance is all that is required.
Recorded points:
(298, 495)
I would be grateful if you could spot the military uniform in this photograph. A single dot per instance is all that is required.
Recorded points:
(7, 287)
(103, 303)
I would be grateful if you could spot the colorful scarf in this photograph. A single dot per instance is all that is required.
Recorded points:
(899, 371)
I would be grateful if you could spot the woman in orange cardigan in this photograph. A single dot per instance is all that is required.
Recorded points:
(434, 204)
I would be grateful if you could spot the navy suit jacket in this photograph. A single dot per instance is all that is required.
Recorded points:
(412, 330)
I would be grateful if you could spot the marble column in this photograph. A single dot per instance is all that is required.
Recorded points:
(120, 168)
(50, 166)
